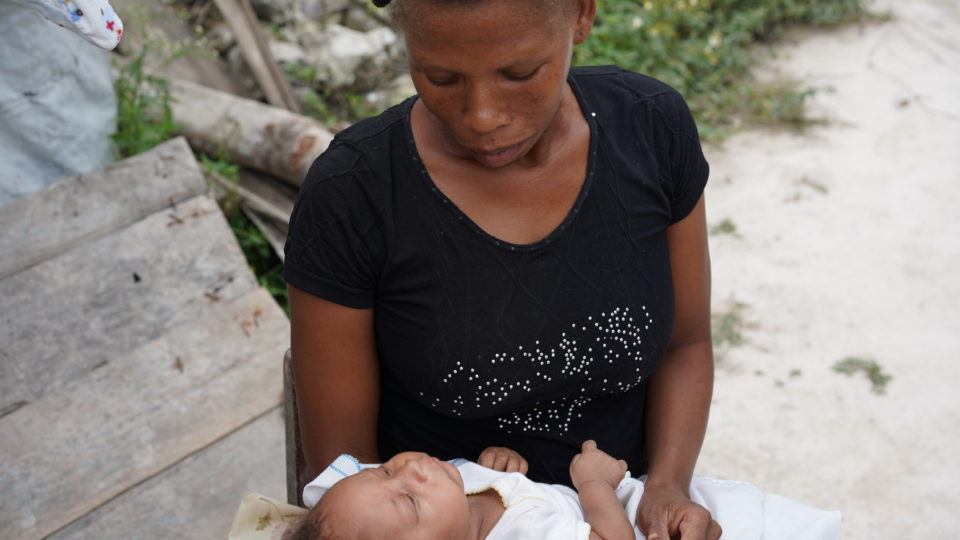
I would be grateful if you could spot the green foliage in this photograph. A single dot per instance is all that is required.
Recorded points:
(725, 227)
(257, 250)
(144, 118)
(851, 365)
(702, 48)
(260, 256)
(727, 327)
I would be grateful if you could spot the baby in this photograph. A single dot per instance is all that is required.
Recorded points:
(414, 496)
(417, 496)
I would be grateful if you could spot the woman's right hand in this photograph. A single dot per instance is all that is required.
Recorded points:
(593, 464)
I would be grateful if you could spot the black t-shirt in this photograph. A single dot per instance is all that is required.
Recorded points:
(482, 342)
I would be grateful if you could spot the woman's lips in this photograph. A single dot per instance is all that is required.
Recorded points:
(497, 158)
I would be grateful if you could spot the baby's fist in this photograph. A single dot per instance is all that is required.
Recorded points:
(502, 459)
(594, 464)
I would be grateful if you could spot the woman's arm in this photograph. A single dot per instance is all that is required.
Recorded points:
(679, 392)
(337, 379)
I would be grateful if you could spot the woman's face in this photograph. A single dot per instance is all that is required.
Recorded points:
(493, 72)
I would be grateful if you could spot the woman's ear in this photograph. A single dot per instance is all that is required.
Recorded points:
(586, 14)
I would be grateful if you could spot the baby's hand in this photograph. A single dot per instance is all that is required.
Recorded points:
(594, 464)
(502, 459)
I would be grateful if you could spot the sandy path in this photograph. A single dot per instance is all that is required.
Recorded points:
(860, 259)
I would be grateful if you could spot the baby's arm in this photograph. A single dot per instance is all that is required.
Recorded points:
(596, 475)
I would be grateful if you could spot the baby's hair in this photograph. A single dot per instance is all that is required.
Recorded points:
(315, 525)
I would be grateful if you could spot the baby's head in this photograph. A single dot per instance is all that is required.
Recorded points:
(411, 496)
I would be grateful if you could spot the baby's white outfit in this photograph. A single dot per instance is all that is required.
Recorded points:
(535, 511)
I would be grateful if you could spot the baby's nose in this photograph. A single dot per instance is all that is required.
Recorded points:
(414, 470)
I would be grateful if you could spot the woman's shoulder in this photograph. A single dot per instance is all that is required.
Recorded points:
(359, 151)
(618, 93)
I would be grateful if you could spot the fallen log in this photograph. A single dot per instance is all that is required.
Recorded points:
(253, 134)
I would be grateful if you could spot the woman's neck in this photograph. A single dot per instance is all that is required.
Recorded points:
(485, 511)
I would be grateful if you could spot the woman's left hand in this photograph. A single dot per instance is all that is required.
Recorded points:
(666, 513)
(502, 459)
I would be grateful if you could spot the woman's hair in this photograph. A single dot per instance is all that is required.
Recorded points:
(402, 14)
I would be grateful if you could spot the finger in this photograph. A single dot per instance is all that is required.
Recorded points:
(486, 459)
(500, 462)
(513, 464)
(523, 467)
(714, 531)
(693, 526)
(623, 464)
(658, 531)
(588, 445)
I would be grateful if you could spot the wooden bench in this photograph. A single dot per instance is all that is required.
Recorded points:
(295, 461)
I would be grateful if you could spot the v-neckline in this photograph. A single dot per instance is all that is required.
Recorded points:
(424, 174)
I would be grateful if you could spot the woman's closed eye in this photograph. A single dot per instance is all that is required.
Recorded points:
(522, 77)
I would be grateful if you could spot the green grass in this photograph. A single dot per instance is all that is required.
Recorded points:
(726, 226)
(706, 50)
(727, 327)
(851, 365)
(144, 118)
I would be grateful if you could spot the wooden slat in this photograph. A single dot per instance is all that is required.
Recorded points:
(198, 497)
(78, 448)
(271, 191)
(77, 209)
(275, 233)
(253, 46)
(64, 317)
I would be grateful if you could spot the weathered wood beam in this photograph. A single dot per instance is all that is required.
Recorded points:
(140, 413)
(63, 318)
(197, 497)
(256, 135)
(81, 208)
(246, 28)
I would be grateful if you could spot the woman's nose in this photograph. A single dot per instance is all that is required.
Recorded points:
(483, 109)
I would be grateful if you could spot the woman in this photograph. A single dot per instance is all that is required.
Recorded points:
(514, 257)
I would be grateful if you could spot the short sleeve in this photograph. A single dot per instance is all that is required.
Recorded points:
(688, 168)
(334, 243)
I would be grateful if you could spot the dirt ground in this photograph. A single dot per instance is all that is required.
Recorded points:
(846, 245)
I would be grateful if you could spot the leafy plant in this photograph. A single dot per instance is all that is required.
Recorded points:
(868, 366)
(703, 48)
(144, 117)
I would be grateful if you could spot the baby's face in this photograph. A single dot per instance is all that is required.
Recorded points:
(412, 496)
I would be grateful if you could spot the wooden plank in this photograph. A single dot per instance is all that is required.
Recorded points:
(253, 46)
(197, 497)
(80, 208)
(272, 191)
(68, 315)
(100, 435)
(275, 233)
(253, 134)
(258, 192)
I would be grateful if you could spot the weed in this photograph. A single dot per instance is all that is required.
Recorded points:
(144, 117)
(260, 256)
(705, 50)
(851, 365)
(727, 327)
(725, 227)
